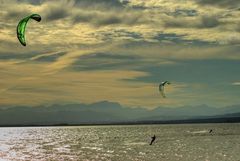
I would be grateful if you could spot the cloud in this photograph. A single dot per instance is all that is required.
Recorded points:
(119, 35)
(97, 18)
(92, 22)
(85, 46)
(103, 4)
(220, 3)
(209, 21)
(127, 73)
(32, 2)
(204, 21)
(183, 13)
(236, 83)
(178, 51)
(106, 61)
(31, 82)
(179, 39)
(20, 53)
(108, 56)
(49, 57)
(14, 14)
(56, 13)
(231, 39)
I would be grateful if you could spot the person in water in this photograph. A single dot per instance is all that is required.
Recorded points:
(211, 131)
(153, 139)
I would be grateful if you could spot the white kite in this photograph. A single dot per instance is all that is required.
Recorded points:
(161, 88)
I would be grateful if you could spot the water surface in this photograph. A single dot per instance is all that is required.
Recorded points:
(187, 142)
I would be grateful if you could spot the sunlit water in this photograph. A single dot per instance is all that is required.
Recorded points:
(187, 142)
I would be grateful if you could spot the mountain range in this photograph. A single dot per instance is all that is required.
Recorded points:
(107, 112)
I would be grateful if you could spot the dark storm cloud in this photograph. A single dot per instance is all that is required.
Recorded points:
(220, 3)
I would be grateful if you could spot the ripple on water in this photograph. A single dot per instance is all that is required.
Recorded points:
(173, 142)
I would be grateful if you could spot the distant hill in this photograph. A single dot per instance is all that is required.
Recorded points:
(107, 112)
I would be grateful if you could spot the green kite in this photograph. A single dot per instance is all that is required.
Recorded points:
(21, 27)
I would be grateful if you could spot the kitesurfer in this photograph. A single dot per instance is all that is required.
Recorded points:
(153, 139)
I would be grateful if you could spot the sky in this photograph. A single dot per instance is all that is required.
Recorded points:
(87, 51)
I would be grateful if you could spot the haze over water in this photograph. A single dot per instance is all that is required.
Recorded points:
(186, 142)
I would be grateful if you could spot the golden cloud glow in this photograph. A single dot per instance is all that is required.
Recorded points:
(127, 41)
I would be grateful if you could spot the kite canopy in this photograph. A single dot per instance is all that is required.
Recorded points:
(21, 27)
(161, 88)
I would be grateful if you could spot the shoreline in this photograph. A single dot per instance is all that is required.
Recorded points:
(149, 122)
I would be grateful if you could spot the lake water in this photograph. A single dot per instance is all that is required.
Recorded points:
(187, 142)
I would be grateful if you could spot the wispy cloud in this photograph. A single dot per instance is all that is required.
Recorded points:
(236, 83)
(220, 3)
